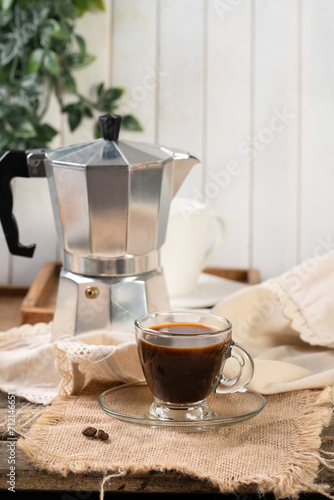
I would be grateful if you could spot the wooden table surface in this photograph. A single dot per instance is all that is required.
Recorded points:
(29, 478)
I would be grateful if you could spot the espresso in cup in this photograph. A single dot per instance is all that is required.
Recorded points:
(182, 355)
(178, 373)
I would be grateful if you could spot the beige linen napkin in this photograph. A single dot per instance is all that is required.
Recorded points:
(34, 367)
(286, 323)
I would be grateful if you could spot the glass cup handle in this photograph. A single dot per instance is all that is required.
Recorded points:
(245, 374)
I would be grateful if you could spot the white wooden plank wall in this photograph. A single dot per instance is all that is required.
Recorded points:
(247, 86)
(274, 149)
(227, 186)
(316, 126)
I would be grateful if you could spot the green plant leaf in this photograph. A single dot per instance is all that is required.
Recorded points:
(78, 60)
(111, 95)
(51, 63)
(66, 10)
(88, 112)
(68, 81)
(22, 127)
(46, 132)
(31, 85)
(4, 144)
(100, 89)
(6, 4)
(53, 30)
(5, 18)
(81, 43)
(69, 107)
(9, 51)
(74, 116)
(98, 4)
(39, 51)
(130, 122)
(45, 35)
(61, 31)
(35, 60)
(97, 131)
(81, 6)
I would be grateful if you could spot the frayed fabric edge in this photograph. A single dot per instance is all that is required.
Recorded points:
(299, 479)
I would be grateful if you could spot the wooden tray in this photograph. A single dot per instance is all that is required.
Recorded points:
(249, 276)
(39, 303)
(11, 298)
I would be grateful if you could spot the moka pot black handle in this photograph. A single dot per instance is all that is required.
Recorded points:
(12, 164)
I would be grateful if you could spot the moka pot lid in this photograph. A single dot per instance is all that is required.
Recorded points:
(109, 151)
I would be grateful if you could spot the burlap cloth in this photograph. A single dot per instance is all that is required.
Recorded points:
(277, 451)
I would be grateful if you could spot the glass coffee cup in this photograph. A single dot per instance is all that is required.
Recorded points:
(183, 355)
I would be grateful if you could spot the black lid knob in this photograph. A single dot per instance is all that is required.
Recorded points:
(110, 126)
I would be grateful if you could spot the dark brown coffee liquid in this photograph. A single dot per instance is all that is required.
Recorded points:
(182, 374)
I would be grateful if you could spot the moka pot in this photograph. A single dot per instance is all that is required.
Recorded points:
(111, 202)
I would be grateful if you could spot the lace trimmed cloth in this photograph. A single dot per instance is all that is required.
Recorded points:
(286, 323)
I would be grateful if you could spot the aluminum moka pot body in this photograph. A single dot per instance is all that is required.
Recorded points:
(111, 202)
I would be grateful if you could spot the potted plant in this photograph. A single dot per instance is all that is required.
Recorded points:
(39, 53)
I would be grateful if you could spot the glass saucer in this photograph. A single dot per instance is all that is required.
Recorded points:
(131, 402)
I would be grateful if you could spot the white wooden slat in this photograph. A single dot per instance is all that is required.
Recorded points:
(95, 27)
(317, 161)
(133, 63)
(227, 124)
(181, 64)
(274, 143)
(33, 212)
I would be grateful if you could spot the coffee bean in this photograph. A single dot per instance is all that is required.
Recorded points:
(89, 431)
(102, 435)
